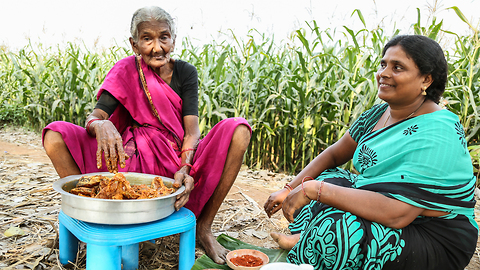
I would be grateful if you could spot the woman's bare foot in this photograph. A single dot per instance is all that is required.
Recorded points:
(285, 241)
(213, 249)
(236, 150)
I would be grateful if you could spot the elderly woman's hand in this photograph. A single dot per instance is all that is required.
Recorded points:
(296, 199)
(110, 144)
(182, 177)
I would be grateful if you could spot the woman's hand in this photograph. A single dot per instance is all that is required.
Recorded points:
(335, 155)
(190, 142)
(182, 177)
(274, 201)
(296, 198)
(110, 143)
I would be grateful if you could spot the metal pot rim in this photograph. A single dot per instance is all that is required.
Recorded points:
(58, 185)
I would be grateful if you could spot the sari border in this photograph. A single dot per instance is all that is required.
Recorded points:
(143, 82)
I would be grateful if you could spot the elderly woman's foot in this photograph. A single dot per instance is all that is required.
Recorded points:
(285, 241)
(214, 250)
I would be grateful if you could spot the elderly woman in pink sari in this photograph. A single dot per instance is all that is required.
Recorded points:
(146, 120)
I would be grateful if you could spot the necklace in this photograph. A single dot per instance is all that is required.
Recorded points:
(410, 115)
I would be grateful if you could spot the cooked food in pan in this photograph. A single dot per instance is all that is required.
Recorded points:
(118, 188)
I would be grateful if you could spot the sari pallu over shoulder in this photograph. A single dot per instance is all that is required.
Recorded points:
(422, 161)
(124, 84)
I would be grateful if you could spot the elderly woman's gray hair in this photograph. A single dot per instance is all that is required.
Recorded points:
(151, 13)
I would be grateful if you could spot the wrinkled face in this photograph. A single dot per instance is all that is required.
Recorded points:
(399, 79)
(155, 43)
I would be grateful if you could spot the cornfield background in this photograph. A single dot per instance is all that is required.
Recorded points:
(299, 96)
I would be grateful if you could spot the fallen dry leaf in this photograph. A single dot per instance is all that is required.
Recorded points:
(14, 231)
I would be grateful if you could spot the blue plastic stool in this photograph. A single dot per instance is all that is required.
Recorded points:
(109, 246)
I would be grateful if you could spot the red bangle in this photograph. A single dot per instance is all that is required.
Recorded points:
(303, 180)
(186, 164)
(87, 127)
(189, 165)
(320, 191)
(186, 150)
(287, 186)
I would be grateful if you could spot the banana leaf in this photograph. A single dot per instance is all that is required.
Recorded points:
(204, 262)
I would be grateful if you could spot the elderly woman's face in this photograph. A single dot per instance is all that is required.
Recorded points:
(155, 43)
(399, 79)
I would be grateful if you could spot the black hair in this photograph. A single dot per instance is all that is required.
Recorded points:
(429, 58)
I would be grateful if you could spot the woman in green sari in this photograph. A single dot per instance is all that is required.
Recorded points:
(411, 205)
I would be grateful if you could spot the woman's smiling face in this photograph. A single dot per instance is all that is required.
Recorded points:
(155, 43)
(399, 79)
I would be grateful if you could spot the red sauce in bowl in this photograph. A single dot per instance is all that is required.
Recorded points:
(247, 260)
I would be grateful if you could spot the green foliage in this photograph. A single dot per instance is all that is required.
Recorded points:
(299, 97)
(45, 85)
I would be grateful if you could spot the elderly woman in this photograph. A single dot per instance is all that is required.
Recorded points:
(146, 120)
(411, 205)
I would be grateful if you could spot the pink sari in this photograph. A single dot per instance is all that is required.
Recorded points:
(153, 147)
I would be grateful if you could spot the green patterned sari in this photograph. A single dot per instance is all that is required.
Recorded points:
(422, 161)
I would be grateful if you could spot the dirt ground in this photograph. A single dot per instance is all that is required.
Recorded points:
(29, 208)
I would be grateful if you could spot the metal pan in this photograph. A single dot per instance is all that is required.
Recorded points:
(106, 211)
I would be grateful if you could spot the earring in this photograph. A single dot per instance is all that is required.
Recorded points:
(424, 92)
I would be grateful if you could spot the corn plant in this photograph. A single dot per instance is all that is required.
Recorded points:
(49, 85)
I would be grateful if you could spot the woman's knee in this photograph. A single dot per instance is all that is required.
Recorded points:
(241, 136)
(52, 141)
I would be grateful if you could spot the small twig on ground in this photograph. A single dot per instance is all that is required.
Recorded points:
(40, 190)
(22, 260)
(229, 218)
(52, 248)
(259, 224)
(252, 202)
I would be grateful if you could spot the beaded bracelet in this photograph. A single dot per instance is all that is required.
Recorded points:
(186, 150)
(320, 191)
(303, 180)
(87, 127)
(287, 186)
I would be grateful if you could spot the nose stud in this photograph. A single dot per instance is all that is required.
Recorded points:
(153, 50)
